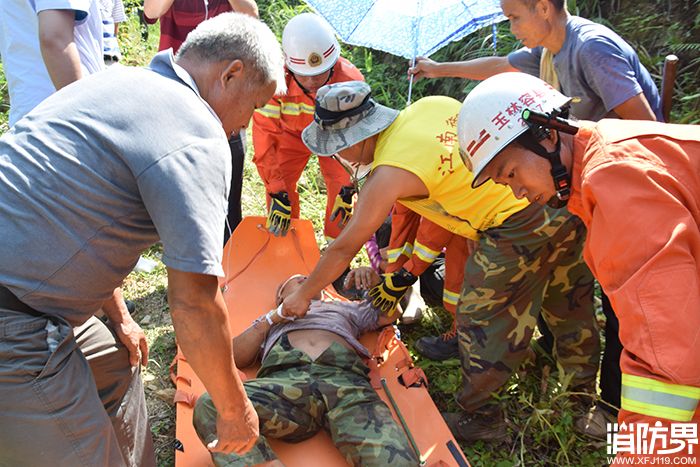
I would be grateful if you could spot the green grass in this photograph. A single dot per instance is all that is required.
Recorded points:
(4, 101)
(536, 398)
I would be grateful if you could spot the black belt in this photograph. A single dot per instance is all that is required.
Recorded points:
(11, 302)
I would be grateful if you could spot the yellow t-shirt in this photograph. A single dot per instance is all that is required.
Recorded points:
(423, 141)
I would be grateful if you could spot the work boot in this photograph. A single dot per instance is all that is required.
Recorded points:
(439, 347)
(594, 424)
(485, 424)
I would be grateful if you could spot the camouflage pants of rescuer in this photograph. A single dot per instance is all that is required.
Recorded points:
(295, 397)
(531, 263)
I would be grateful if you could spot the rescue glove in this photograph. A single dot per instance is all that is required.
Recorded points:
(280, 215)
(386, 295)
(342, 207)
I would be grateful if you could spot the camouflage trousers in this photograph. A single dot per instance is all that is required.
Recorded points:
(531, 264)
(295, 397)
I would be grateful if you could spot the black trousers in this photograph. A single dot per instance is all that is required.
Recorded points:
(235, 215)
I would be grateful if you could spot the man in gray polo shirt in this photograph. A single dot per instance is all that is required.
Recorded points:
(84, 189)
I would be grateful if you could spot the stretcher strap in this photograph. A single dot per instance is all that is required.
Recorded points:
(185, 397)
(655, 398)
(413, 377)
(381, 346)
(386, 343)
(300, 251)
(297, 245)
(375, 375)
(252, 259)
(172, 368)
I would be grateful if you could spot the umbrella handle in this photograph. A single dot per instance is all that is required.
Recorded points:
(410, 82)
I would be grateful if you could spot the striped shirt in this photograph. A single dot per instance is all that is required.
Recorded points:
(112, 13)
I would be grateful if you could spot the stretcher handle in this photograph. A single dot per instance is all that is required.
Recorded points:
(668, 79)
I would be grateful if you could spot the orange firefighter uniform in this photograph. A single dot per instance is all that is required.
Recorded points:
(415, 244)
(281, 156)
(636, 186)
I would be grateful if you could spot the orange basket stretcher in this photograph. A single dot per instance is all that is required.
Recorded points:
(255, 262)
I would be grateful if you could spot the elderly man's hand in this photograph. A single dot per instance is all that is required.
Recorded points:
(132, 336)
(237, 434)
(424, 68)
(362, 278)
(295, 304)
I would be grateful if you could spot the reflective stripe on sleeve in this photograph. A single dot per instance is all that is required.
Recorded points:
(658, 399)
(393, 255)
(292, 108)
(424, 253)
(272, 111)
(449, 297)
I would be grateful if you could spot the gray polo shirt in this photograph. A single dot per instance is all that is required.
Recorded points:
(100, 171)
(596, 65)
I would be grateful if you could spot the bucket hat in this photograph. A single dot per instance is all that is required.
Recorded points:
(345, 114)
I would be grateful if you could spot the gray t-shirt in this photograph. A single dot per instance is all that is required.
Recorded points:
(86, 185)
(347, 319)
(596, 65)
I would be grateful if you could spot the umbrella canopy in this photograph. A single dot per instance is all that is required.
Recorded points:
(408, 28)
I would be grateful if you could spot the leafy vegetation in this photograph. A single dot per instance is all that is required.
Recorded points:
(539, 404)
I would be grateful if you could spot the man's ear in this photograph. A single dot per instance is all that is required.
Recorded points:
(232, 71)
(550, 142)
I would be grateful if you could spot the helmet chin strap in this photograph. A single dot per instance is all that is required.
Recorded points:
(540, 129)
(306, 91)
(562, 180)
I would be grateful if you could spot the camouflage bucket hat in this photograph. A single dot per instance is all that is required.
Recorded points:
(345, 115)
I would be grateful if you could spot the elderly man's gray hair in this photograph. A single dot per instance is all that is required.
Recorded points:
(231, 36)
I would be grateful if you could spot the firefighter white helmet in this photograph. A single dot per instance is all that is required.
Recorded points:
(490, 117)
(309, 45)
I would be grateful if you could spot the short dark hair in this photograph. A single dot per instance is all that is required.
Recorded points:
(558, 4)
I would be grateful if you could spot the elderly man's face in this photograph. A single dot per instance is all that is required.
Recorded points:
(236, 94)
(291, 287)
(526, 173)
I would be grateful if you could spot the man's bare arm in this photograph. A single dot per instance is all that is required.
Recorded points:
(635, 108)
(477, 69)
(58, 48)
(201, 326)
(247, 345)
(128, 331)
(384, 187)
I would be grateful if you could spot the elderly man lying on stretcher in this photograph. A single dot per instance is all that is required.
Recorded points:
(313, 377)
